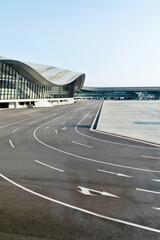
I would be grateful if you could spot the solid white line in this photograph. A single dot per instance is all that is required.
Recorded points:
(81, 209)
(82, 144)
(115, 143)
(15, 130)
(46, 127)
(85, 158)
(60, 170)
(149, 191)
(56, 131)
(11, 144)
(118, 174)
(90, 159)
(156, 208)
(150, 157)
(156, 180)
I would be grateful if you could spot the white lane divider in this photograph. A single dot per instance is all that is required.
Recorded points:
(156, 208)
(87, 191)
(150, 157)
(82, 144)
(11, 144)
(85, 158)
(15, 130)
(91, 159)
(81, 209)
(56, 131)
(145, 190)
(46, 165)
(156, 180)
(46, 127)
(118, 174)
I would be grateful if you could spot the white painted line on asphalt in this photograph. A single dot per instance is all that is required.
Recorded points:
(82, 144)
(64, 128)
(56, 131)
(63, 123)
(86, 191)
(90, 159)
(85, 158)
(118, 174)
(81, 209)
(46, 127)
(11, 144)
(40, 115)
(149, 191)
(115, 143)
(156, 208)
(15, 130)
(60, 170)
(156, 180)
(150, 157)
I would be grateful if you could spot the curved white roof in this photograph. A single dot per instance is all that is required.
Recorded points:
(45, 75)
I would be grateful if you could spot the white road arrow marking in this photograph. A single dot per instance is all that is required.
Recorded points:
(156, 208)
(64, 128)
(86, 191)
(118, 174)
(81, 209)
(156, 180)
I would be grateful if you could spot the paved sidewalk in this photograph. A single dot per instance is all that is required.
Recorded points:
(136, 119)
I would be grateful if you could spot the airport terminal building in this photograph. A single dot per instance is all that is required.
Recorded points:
(119, 93)
(23, 84)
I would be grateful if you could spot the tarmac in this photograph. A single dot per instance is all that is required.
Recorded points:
(133, 119)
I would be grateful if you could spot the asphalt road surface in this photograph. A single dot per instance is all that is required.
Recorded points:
(59, 180)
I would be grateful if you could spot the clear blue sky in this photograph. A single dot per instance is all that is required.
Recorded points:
(115, 42)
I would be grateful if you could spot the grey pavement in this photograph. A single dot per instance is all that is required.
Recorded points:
(135, 119)
(61, 181)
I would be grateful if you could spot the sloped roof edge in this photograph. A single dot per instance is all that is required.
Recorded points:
(30, 73)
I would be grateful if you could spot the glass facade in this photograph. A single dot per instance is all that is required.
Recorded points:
(14, 86)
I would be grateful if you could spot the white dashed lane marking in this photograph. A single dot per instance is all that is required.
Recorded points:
(15, 130)
(82, 144)
(11, 144)
(150, 157)
(46, 165)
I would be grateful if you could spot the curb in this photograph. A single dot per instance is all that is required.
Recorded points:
(95, 123)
